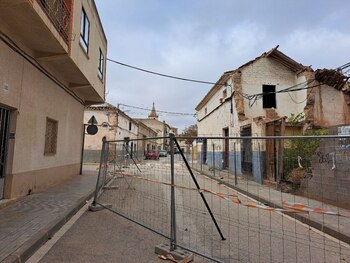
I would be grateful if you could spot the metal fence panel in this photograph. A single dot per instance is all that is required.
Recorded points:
(290, 204)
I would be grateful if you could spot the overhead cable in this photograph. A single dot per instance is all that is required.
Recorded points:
(161, 74)
(251, 97)
(160, 111)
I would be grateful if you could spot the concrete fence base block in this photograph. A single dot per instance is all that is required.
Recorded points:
(178, 253)
(95, 208)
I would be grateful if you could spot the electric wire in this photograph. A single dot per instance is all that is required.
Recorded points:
(160, 111)
(160, 74)
(252, 98)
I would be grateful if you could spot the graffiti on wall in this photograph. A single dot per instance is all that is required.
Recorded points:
(344, 142)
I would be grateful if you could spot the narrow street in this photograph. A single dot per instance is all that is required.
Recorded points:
(252, 235)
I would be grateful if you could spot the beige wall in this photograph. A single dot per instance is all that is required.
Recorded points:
(94, 142)
(161, 128)
(266, 71)
(88, 63)
(34, 97)
(144, 133)
(28, 25)
(330, 107)
(123, 127)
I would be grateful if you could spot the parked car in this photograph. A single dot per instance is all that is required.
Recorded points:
(152, 155)
(163, 153)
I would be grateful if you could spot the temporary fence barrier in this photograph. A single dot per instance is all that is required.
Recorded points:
(235, 199)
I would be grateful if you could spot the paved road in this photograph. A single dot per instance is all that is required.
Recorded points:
(251, 235)
(103, 237)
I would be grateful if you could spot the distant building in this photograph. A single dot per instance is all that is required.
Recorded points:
(106, 116)
(127, 129)
(147, 137)
(52, 65)
(161, 127)
(174, 130)
(113, 124)
(226, 110)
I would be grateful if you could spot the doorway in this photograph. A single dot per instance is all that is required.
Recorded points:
(4, 137)
(246, 149)
(226, 151)
(204, 150)
(274, 150)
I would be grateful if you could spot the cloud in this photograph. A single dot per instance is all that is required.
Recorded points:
(201, 39)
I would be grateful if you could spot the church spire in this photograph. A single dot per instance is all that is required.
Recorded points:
(153, 114)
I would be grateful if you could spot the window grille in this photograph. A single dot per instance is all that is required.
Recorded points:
(51, 136)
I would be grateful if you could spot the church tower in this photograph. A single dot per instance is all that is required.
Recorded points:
(153, 115)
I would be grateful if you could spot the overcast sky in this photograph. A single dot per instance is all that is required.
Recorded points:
(201, 39)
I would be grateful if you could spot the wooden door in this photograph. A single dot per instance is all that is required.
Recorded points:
(274, 150)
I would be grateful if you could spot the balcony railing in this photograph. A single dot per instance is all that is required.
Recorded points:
(59, 14)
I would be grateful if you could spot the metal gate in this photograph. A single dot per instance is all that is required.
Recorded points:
(4, 136)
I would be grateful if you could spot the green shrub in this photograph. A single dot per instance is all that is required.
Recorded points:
(305, 148)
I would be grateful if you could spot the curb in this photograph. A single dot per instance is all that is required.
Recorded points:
(317, 225)
(26, 250)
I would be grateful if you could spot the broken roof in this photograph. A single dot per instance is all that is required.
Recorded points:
(281, 58)
(273, 53)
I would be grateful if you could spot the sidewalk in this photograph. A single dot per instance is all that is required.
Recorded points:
(338, 227)
(28, 223)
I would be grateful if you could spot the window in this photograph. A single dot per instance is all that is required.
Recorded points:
(84, 31)
(129, 126)
(51, 137)
(101, 60)
(269, 96)
(205, 111)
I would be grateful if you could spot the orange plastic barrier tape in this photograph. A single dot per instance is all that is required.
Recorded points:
(233, 198)
(299, 207)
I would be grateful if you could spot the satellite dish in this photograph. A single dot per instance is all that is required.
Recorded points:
(92, 129)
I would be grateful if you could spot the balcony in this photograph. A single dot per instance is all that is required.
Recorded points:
(59, 14)
(43, 30)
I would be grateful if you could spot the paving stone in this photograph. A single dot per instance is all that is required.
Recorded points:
(29, 222)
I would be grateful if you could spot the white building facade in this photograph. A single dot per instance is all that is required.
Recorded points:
(228, 111)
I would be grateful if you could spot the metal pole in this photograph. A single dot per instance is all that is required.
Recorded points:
(202, 156)
(106, 164)
(172, 195)
(214, 159)
(114, 158)
(235, 161)
(192, 155)
(104, 142)
(198, 187)
(82, 151)
(259, 155)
